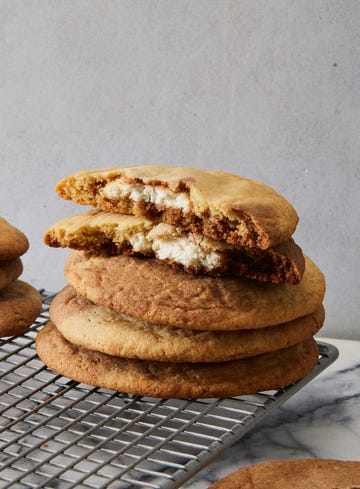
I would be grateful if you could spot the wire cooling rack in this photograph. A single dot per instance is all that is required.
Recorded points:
(57, 433)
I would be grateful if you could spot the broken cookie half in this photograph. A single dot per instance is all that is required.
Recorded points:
(215, 204)
(99, 231)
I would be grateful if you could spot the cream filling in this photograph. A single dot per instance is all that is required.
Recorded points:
(186, 253)
(140, 243)
(147, 193)
(196, 251)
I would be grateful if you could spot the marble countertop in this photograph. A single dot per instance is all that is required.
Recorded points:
(320, 421)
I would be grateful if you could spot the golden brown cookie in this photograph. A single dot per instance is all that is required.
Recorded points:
(103, 231)
(102, 329)
(99, 231)
(10, 270)
(13, 242)
(20, 304)
(178, 380)
(216, 204)
(294, 474)
(149, 290)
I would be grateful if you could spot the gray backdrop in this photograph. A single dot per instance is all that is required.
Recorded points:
(266, 89)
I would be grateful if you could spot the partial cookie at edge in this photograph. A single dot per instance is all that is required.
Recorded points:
(10, 270)
(297, 474)
(13, 242)
(20, 304)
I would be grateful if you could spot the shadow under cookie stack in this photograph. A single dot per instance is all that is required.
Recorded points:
(20, 302)
(182, 283)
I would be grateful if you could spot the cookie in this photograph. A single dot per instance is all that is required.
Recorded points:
(13, 242)
(297, 474)
(178, 380)
(10, 270)
(149, 290)
(20, 304)
(219, 205)
(102, 329)
(98, 231)
(101, 231)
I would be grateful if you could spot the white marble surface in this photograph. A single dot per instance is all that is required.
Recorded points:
(320, 421)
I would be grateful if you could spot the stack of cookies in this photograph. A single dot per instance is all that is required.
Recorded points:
(20, 303)
(182, 283)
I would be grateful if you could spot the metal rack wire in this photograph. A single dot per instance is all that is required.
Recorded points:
(57, 433)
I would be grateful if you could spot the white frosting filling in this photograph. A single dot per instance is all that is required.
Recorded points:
(147, 193)
(186, 253)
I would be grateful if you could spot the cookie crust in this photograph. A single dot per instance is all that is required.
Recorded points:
(174, 380)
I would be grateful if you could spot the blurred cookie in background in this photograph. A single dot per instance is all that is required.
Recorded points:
(13, 242)
(20, 302)
(10, 270)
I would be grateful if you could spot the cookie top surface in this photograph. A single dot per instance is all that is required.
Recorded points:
(102, 329)
(177, 380)
(13, 242)
(220, 205)
(297, 474)
(149, 290)
(10, 270)
(104, 231)
(20, 304)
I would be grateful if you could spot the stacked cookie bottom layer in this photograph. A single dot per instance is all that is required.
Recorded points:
(136, 325)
